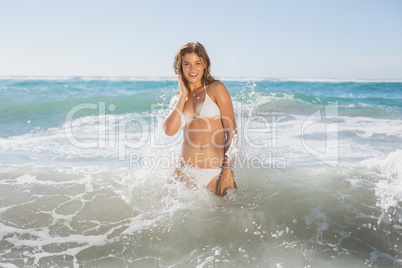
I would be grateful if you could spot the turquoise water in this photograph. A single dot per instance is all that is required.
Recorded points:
(44, 102)
(85, 177)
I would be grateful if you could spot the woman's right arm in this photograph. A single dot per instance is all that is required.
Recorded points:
(172, 122)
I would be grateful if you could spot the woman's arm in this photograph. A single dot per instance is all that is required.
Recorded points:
(225, 105)
(172, 122)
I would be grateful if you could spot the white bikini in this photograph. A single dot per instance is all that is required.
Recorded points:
(208, 109)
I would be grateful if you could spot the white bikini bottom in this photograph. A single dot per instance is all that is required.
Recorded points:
(203, 175)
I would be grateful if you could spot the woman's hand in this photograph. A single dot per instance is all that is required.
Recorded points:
(225, 182)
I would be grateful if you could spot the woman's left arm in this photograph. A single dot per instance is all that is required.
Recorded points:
(225, 105)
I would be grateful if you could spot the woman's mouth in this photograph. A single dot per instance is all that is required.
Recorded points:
(193, 75)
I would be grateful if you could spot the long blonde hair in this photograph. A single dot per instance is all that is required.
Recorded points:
(194, 47)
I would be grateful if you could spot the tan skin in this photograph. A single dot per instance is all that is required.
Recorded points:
(204, 138)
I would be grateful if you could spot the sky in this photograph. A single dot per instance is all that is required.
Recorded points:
(345, 39)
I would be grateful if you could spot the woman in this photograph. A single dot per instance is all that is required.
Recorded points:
(203, 110)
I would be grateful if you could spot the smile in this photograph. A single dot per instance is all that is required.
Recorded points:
(193, 75)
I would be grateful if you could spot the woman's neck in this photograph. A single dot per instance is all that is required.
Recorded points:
(194, 86)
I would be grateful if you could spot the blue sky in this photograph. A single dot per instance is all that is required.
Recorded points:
(273, 39)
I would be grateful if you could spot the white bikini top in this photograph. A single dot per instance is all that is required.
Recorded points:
(208, 109)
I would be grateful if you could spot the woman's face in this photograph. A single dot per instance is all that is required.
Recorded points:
(193, 68)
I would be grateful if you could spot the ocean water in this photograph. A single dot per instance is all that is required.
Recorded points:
(86, 176)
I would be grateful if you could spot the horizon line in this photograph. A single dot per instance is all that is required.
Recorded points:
(174, 78)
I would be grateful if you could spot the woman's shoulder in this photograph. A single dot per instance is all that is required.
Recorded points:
(218, 92)
(216, 86)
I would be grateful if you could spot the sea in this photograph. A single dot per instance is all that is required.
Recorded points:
(86, 176)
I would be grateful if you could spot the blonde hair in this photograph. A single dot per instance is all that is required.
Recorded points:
(194, 47)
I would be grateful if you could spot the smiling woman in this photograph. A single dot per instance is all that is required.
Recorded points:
(203, 110)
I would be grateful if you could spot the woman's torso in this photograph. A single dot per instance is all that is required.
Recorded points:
(203, 135)
(203, 142)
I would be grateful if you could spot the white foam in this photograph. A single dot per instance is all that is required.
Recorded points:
(26, 179)
(8, 265)
(388, 189)
(390, 166)
(367, 127)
